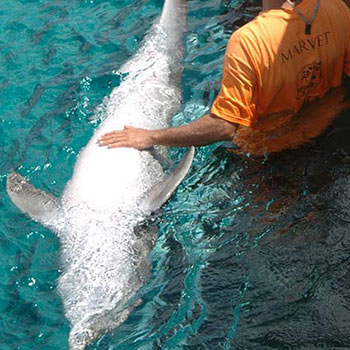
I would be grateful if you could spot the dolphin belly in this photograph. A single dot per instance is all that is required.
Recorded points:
(111, 179)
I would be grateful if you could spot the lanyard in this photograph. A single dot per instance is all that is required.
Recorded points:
(308, 23)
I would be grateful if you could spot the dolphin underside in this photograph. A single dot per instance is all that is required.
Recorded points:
(104, 258)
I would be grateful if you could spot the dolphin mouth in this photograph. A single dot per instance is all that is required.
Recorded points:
(85, 332)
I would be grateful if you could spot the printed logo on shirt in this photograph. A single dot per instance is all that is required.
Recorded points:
(308, 80)
(305, 46)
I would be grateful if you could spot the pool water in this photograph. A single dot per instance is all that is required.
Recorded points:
(251, 253)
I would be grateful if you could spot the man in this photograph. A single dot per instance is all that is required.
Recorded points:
(289, 56)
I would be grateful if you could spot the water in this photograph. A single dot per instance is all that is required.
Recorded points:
(251, 253)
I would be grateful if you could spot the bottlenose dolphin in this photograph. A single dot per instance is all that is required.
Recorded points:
(112, 190)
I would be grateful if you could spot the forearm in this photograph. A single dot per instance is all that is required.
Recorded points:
(203, 131)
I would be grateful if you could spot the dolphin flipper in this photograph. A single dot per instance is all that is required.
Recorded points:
(163, 190)
(39, 205)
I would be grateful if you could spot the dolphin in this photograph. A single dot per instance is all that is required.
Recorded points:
(112, 191)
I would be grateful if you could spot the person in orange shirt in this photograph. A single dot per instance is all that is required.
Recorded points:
(281, 83)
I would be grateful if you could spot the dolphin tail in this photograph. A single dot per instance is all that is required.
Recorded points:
(162, 191)
(39, 205)
(173, 10)
(174, 20)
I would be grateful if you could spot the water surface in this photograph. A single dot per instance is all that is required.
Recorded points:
(251, 253)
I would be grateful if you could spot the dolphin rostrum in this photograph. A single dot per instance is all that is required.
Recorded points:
(113, 190)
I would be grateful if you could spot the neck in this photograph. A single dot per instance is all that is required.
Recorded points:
(278, 4)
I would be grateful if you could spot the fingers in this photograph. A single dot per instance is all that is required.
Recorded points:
(121, 142)
(105, 139)
(118, 138)
(108, 138)
(112, 134)
(129, 137)
(112, 140)
(118, 144)
(126, 127)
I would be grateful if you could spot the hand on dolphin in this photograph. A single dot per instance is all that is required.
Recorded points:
(202, 131)
(129, 137)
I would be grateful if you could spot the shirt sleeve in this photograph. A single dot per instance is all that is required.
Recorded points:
(236, 99)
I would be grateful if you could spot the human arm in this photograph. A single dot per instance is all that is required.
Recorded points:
(203, 131)
(234, 105)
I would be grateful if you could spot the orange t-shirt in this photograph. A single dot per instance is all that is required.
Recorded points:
(272, 68)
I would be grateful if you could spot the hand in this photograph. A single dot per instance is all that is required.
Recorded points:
(129, 137)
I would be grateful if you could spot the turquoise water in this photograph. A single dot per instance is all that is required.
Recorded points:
(251, 253)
